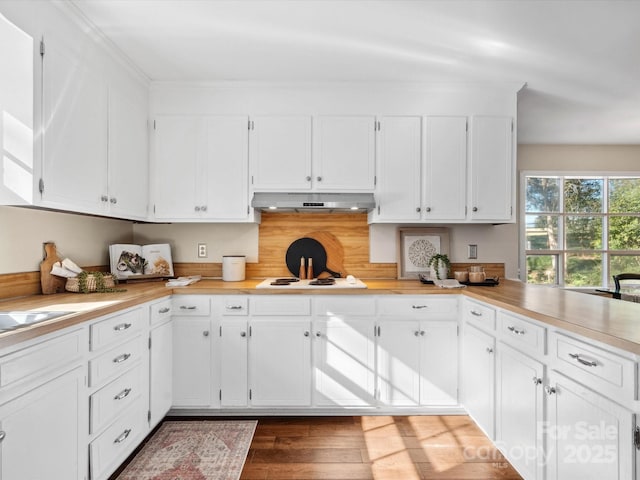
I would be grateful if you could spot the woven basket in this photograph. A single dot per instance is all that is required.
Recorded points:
(73, 284)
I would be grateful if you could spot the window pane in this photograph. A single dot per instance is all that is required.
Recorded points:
(542, 232)
(624, 264)
(583, 270)
(583, 233)
(624, 233)
(583, 195)
(624, 195)
(542, 269)
(543, 194)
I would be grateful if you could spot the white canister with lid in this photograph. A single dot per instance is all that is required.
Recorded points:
(233, 268)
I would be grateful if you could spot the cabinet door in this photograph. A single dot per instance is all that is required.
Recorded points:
(128, 188)
(399, 362)
(191, 362)
(43, 436)
(234, 388)
(439, 363)
(445, 168)
(177, 177)
(587, 434)
(478, 377)
(519, 411)
(344, 362)
(491, 168)
(160, 370)
(399, 159)
(280, 362)
(280, 152)
(226, 195)
(74, 164)
(344, 153)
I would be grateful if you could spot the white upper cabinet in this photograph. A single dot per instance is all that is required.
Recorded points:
(200, 168)
(128, 180)
(74, 163)
(491, 169)
(444, 191)
(280, 152)
(399, 160)
(344, 153)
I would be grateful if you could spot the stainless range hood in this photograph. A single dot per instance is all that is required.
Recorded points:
(314, 202)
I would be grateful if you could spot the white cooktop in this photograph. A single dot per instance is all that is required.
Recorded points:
(304, 284)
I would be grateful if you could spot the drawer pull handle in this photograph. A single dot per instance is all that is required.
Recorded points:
(123, 436)
(185, 307)
(419, 307)
(122, 326)
(475, 313)
(123, 394)
(164, 310)
(234, 307)
(588, 363)
(121, 358)
(515, 331)
(550, 390)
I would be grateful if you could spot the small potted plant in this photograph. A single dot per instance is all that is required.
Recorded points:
(440, 264)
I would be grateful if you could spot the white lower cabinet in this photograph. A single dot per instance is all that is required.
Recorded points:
(588, 436)
(280, 362)
(160, 371)
(42, 432)
(478, 377)
(192, 361)
(234, 368)
(520, 411)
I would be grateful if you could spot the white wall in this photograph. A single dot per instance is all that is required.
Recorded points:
(83, 239)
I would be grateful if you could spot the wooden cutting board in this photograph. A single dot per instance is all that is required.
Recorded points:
(334, 249)
(50, 283)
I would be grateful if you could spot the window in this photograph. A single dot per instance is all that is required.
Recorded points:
(580, 230)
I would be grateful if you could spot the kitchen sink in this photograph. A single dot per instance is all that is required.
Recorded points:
(24, 318)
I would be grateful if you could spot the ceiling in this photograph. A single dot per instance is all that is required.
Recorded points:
(580, 59)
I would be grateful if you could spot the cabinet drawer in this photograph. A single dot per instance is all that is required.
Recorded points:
(160, 312)
(38, 359)
(281, 305)
(601, 370)
(190, 305)
(235, 305)
(112, 399)
(116, 328)
(115, 361)
(522, 333)
(111, 448)
(346, 305)
(482, 316)
(419, 307)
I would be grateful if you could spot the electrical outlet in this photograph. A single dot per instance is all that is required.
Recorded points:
(202, 250)
(472, 251)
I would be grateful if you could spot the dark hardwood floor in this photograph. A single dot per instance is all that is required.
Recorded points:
(373, 447)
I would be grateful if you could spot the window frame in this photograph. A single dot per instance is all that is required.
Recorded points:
(562, 251)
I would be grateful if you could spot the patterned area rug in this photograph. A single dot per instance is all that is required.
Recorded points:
(193, 450)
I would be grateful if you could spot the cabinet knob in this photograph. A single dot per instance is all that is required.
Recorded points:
(205, 333)
(537, 381)
(318, 334)
(489, 350)
(308, 178)
(550, 390)
(243, 334)
(319, 179)
(428, 209)
(203, 208)
(422, 333)
(104, 198)
(417, 333)
(113, 200)
(197, 209)
(474, 209)
(306, 333)
(418, 209)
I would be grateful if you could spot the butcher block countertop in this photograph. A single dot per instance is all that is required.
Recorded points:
(614, 322)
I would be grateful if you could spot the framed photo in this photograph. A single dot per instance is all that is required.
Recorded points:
(416, 246)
